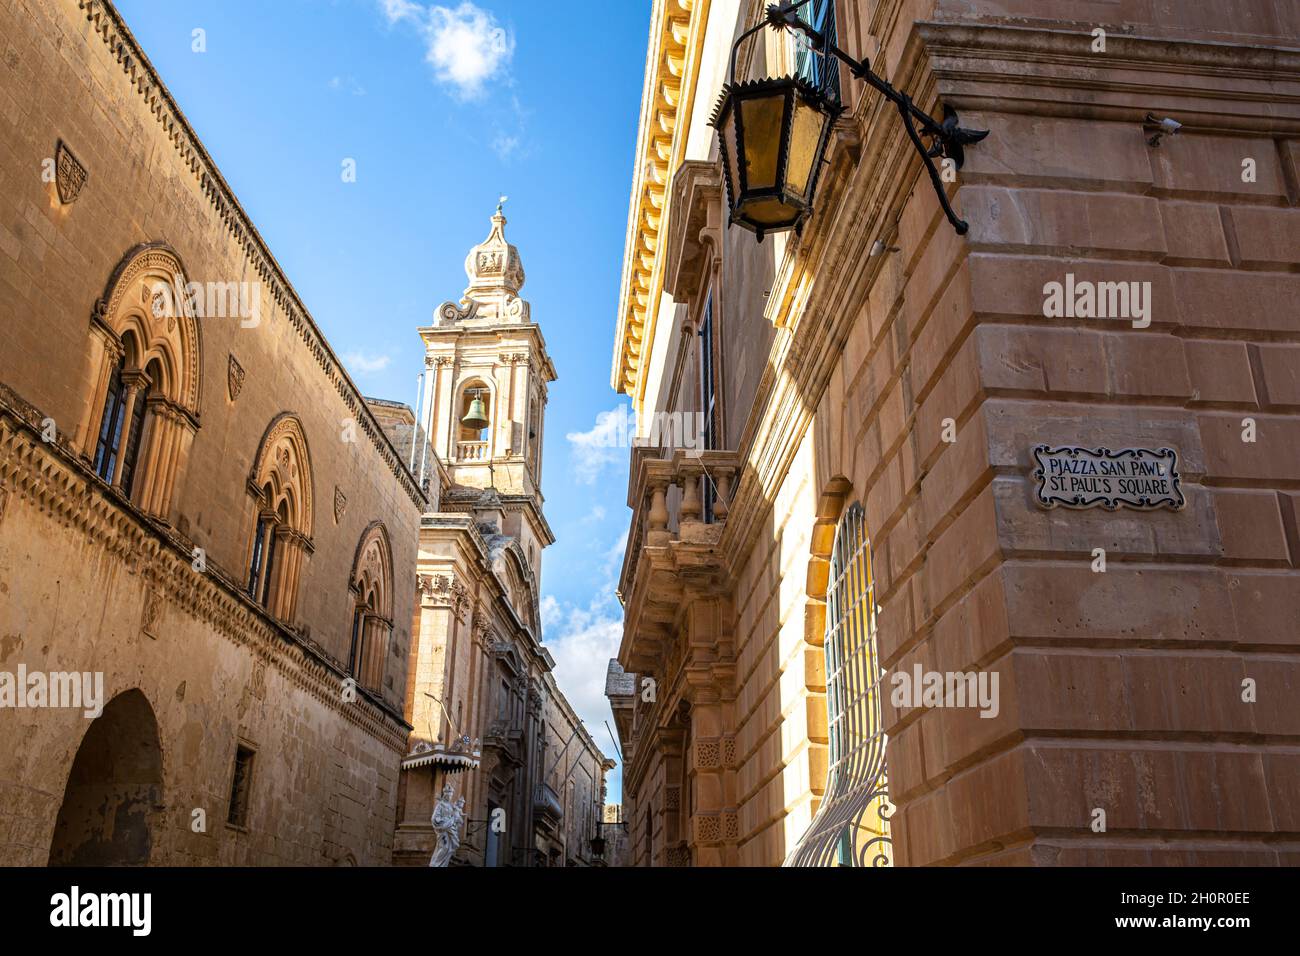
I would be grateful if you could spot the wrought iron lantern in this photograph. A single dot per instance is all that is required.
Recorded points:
(773, 133)
(598, 845)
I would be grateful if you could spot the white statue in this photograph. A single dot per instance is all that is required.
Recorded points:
(447, 820)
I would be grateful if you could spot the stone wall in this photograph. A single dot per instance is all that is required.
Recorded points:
(78, 592)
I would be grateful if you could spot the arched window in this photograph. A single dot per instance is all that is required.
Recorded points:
(280, 536)
(372, 609)
(140, 410)
(851, 827)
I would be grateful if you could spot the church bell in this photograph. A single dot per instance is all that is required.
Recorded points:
(476, 417)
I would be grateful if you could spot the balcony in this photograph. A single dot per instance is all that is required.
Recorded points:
(471, 451)
(679, 501)
(547, 808)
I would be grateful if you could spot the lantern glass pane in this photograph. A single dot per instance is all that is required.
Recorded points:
(771, 212)
(761, 116)
(729, 148)
(805, 137)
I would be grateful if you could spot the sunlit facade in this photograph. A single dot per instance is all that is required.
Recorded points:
(852, 636)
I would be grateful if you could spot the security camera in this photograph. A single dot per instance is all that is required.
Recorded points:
(878, 248)
(1162, 126)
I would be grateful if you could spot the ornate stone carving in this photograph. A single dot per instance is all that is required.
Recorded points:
(234, 378)
(730, 826)
(340, 504)
(458, 312)
(151, 616)
(708, 828)
(69, 174)
(708, 755)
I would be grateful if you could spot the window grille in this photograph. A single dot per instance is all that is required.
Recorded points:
(851, 827)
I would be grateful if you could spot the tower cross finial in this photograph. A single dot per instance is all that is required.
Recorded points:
(501, 202)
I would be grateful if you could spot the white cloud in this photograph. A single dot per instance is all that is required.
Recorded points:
(347, 83)
(465, 45)
(505, 146)
(366, 364)
(583, 640)
(604, 445)
(551, 613)
(397, 10)
(588, 637)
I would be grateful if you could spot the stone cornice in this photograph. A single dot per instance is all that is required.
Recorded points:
(112, 29)
(1208, 85)
(439, 337)
(56, 482)
(677, 29)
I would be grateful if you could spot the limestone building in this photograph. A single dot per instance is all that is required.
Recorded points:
(197, 507)
(872, 390)
(486, 713)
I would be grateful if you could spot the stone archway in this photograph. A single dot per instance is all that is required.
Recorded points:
(112, 802)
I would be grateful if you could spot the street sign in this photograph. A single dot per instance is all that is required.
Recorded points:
(1141, 478)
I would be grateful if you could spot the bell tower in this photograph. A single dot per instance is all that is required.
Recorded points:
(484, 399)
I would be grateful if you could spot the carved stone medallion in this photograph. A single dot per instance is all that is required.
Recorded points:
(235, 378)
(69, 174)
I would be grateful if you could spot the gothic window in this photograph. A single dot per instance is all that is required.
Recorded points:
(851, 827)
(110, 428)
(280, 535)
(819, 70)
(260, 536)
(372, 611)
(147, 396)
(140, 409)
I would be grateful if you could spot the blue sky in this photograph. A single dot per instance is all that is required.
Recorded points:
(442, 107)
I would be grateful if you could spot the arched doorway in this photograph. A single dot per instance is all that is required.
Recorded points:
(112, 802)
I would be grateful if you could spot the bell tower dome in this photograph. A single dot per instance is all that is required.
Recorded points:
(485, 391)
